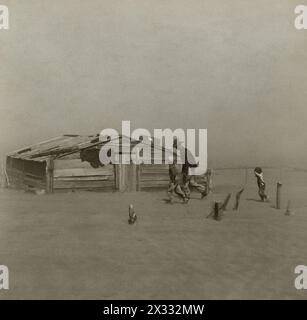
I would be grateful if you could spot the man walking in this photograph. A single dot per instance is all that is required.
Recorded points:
(187, 179)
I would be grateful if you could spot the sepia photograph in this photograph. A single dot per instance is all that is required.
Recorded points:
(153, 150)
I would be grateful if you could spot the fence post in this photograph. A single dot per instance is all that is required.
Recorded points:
(138, 177)
(49, 174)
(132, 177)
(217, 205)
(225, 203)
(238, 195)
(246, 173)
(122, 177)
(209, 181)
(278, 195)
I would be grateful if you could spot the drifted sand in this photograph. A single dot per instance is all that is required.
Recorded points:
(79, 245)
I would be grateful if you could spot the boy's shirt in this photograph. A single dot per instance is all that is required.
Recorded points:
(260, 180)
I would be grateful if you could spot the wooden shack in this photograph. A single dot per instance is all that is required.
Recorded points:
(57, 165)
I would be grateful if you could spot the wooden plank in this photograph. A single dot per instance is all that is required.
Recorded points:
(70, 164)
(85, 184)
(117, 174)
(16, 178)
(121, 177)
(84, 178)
(131, 177)
(34, 176)
(100, 189)
(49, 175)
(156, 178)
(159, 172)
(153, 174)
(35, 183)
(122, 180)
(81, 172)
(145, 171)
(151, 184)
(76, 163)
(58, 184)
(155, 167)
(22, 180)
(24, 177)
(154, 182)
(138, 178)
(70, 156)
(14, 171)
(78, 172)
(38, 144)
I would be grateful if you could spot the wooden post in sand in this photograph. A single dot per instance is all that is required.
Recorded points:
(49, 175)
(238, 196)
(246, 174)
(5, 183)
(225, 203)
(138, 177)
(208, 181)
(278, 195)
(216, 210)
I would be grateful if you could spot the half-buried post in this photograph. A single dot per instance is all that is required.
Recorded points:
(278, 195)
(217, 207)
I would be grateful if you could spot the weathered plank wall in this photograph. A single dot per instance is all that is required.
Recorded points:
(156, 176)
(127, 177)
(25, 174)
(73, 174)
(153, 176)
(70, 173)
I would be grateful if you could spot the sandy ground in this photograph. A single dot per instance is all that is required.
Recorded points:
(79, 245)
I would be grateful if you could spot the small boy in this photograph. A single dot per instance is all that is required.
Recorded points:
(174, 183)
(261, 184)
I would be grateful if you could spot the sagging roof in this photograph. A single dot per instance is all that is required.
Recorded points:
(57, 146)
(62, 146)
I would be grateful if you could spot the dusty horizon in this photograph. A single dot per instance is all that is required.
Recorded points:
(70, 67)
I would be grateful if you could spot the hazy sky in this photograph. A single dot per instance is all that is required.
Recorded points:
(237, 68)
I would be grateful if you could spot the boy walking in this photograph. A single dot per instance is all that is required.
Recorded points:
(261, 184)
(174, 184)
